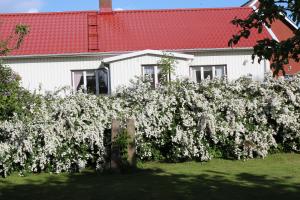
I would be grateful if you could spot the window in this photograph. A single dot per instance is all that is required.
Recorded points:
(200, 73)
(78, 81)
(103, 81)
(149, 73)
(208, 72)
(288, 77)
(153, 73)
(91, 81)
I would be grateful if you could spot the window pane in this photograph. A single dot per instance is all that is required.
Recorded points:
(103, 81)
(208, 73)
(198, 76)
(161, 78)
(288, 77)
(149, 73)
(220, 71)
(91, 82)
(78, 80)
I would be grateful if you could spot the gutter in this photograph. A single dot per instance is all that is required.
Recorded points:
(290, 22)
(114, 53)
(248, 3)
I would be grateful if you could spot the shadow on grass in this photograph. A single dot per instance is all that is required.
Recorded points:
(153, 184)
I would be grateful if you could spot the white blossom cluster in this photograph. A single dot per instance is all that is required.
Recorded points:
(240, 120)
(64, 135)
(178, 121)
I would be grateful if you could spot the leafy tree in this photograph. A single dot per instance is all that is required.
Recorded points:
(14, 41)
(9, 92)
(267, 13)
(167, 67)
(13, 98)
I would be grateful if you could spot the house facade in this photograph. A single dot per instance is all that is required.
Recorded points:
(103, 50)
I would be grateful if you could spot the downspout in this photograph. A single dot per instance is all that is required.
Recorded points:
(265, 66)
(107, 66)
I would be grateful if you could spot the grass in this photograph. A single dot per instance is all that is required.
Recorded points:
(276, 177)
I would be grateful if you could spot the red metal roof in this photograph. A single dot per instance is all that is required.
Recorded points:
(50, 33)
(90, 31)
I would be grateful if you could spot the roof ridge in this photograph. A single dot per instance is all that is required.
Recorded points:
(50, 13)
(183, 9)
(125, 11)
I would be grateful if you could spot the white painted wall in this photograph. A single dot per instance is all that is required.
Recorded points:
(239, 63)
(53, 73)
(50, 73)
(125, 70)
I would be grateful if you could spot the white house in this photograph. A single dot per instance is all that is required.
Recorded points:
(105, 49)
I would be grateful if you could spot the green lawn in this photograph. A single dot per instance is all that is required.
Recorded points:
(276, 177)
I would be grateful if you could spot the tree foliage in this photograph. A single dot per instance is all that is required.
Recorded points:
(14, 40)
(13, 98)
(279, 52)
(167, 67)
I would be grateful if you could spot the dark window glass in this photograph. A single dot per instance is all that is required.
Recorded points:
(160, 76)
(288, 77)
(149, 73)
(208, 73)
(91, 82)
(198, 76)
(103, 81)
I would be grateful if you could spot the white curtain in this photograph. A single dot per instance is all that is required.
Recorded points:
(78, 80)
(220, 71)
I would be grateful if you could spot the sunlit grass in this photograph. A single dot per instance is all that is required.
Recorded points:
(276, 177)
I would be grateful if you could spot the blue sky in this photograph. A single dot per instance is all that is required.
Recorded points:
(67, 5)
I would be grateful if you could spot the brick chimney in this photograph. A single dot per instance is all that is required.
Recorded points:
(105, 6)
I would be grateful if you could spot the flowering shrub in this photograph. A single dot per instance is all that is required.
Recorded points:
(64, 134)
(186, 120)
(178, 121)
(13, 98)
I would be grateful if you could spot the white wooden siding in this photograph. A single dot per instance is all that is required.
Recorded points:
(239, 63)
(124, 71)
(50, 73)
(53, 73)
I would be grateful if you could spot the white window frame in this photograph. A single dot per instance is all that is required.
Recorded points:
(201, 67)
(84, 73)
(288, 77)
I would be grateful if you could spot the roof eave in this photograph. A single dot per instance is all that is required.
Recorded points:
(113, 53)
(148, 52)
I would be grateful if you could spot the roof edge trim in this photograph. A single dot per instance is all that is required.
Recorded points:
(252, 5)
(148, 52)
(114, 53)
